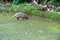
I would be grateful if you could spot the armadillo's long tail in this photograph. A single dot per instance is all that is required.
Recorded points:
(13, 16)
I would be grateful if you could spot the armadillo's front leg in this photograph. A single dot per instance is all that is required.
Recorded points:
(17, 18)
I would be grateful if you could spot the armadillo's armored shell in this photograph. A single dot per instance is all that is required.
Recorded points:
(21, 15)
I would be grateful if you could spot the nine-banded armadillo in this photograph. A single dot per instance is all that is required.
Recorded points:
(21, 15)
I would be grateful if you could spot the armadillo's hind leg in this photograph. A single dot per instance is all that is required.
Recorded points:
(25, 18)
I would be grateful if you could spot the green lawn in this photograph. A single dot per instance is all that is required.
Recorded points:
(35, 28)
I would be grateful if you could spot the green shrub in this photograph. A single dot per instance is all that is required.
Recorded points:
(54, 2)
(17, 8)
(53, 15)
(8, 5)
(2, 5)
(31, 7)
(24, 7)
(36, 12)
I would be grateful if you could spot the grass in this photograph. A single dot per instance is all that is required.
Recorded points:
(35, 28)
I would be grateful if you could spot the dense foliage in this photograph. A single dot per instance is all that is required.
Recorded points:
(52, 2)
(30, 8)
